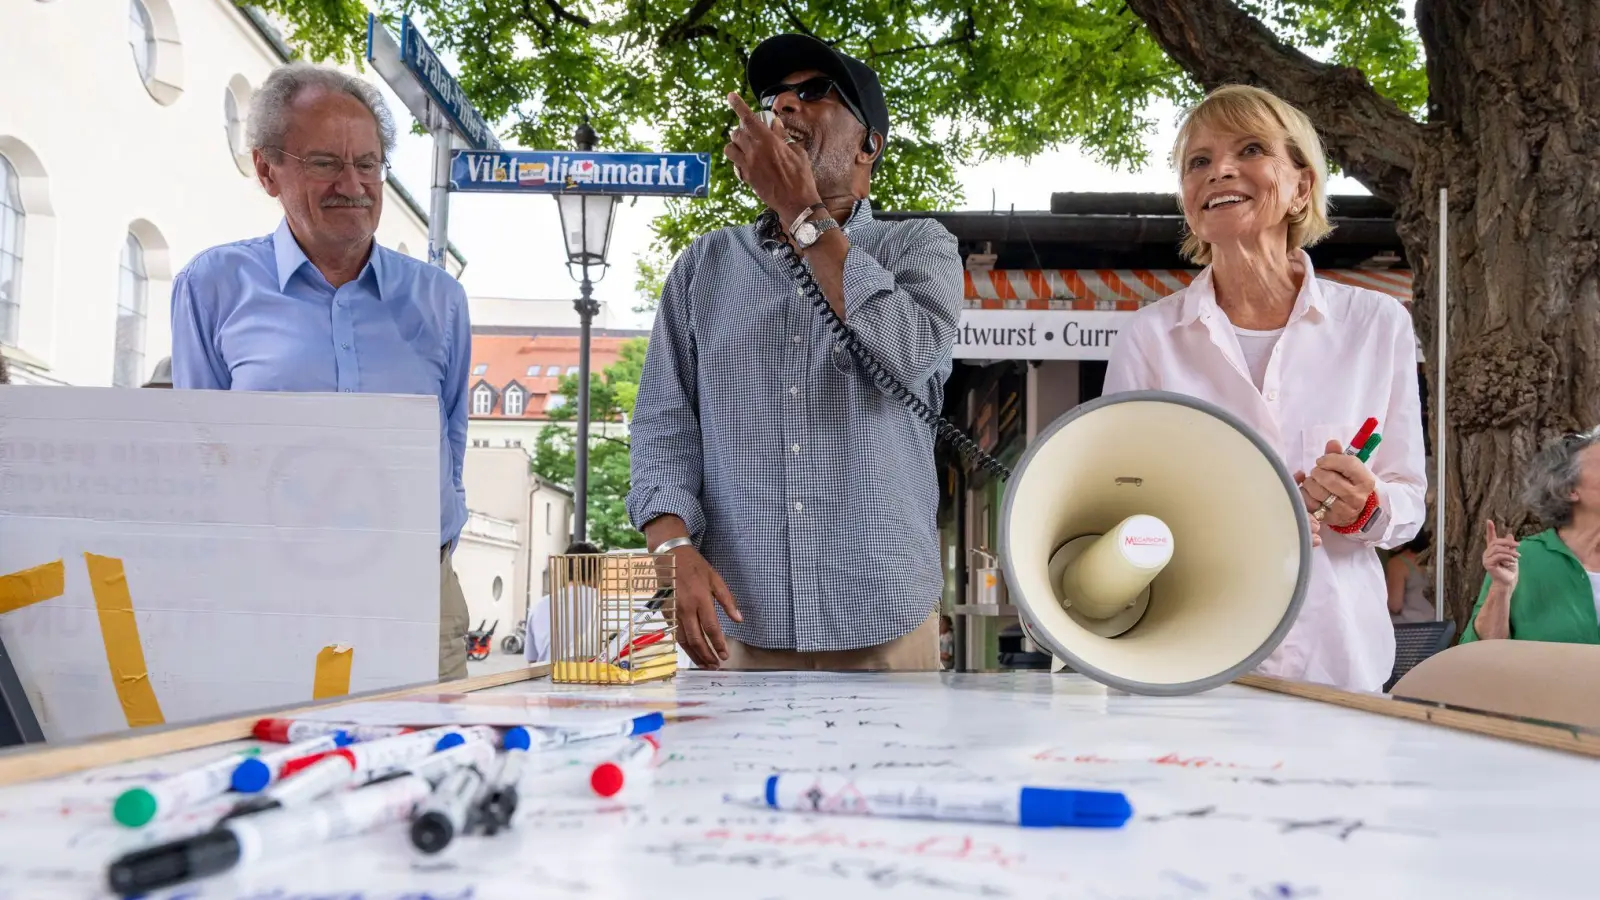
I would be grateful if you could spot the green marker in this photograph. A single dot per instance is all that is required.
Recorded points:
(1371, 445)
(138, 806)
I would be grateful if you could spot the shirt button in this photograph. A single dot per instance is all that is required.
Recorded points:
(794, 390)
(344, 346)
(798, 506)
(797, 339)
(347, 390)
(1272, 395)
(799, 292)
(795, 448)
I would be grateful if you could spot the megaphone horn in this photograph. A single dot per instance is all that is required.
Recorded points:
(1155, 543)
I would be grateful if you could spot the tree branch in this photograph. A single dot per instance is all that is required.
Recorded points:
(684, 29)
(1218, 43)
(965, 37)
(561, 13)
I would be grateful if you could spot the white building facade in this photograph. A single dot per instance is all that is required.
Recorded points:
(121, 158)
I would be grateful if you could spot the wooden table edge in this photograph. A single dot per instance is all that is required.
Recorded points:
(1549, 735)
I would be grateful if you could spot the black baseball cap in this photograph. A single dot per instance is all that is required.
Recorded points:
(778, 57)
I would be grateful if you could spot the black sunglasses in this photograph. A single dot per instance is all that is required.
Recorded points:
(811, 90)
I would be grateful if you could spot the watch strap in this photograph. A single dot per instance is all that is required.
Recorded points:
(807, 213)
(819, 228)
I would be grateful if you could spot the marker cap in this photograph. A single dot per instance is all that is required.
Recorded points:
(168, 864)
(606, 779)
(251, 776)
(648, 723)
(516, 738)
(1051, 807)
(134, 808)
(431, 832)
(453, 739)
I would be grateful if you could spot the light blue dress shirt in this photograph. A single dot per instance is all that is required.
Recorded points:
(256, 315)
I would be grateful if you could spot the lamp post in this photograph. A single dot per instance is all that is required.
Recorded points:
(586, 226)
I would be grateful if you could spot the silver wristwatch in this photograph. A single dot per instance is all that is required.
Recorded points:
(807, 230)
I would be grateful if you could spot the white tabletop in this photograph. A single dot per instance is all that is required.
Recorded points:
(1237, 793)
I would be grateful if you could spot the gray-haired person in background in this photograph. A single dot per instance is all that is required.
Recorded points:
(317, 305)
(1547, 587)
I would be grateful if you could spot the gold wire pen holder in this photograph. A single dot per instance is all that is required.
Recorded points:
(611, 618)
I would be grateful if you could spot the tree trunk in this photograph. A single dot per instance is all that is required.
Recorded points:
(1514, 134)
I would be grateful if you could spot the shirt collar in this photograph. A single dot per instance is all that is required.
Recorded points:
(289, 257)
(288, 254)
(1200, 297)
(1551, 540)
(860, 214)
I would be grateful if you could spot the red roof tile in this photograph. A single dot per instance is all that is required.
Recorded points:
(501, 360)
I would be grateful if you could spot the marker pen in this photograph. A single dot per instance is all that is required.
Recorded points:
(630, 764)
(389, 752)
(138, 805)
(261, 770)
(545, 737)
(443, 815)
(1010, 804)
(272, 834)
(289, 731)
(499, 801)
(337, 771)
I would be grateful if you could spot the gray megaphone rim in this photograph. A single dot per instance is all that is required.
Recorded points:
(1041, 636)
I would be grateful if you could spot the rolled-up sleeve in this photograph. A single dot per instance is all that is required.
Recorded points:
(906, 310)
(666, 452)
(1399, 464)
(196, 363)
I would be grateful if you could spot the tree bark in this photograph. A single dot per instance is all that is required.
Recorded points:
(1513, 133)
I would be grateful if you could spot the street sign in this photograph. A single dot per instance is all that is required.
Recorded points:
(415, 73)
(585, 172)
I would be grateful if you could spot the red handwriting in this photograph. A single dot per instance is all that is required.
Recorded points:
(1169, 759)
(954, 848)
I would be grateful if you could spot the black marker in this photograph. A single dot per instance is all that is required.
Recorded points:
(444, 814)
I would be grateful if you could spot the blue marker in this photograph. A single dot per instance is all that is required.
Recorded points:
(1010, 804)
(256, 773)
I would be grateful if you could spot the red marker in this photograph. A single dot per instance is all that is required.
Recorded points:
(1360, 440)
(609, 778)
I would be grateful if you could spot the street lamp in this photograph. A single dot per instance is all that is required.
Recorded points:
(586, 225)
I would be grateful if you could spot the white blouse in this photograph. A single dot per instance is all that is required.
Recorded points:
(1347, 353)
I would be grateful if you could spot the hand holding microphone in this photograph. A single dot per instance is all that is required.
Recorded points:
(777, 169)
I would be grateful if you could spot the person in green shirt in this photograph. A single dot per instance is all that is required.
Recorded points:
(1545, 588)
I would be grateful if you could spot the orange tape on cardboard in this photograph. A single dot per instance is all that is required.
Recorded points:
(333, 671)
(31, 586)
(120, 631)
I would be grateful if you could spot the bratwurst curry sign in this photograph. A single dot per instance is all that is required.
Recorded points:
(1039, 333)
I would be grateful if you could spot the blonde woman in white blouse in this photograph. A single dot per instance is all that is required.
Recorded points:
(1302, 360)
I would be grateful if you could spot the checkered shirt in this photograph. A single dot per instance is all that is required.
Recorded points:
(811, 490)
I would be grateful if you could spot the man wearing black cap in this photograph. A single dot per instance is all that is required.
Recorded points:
(795, 492)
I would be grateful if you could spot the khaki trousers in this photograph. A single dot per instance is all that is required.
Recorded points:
(453, 621)
(915, 651)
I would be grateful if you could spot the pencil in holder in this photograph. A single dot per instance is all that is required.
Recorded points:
(611, 618)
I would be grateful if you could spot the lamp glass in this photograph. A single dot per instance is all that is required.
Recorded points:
(586, 226)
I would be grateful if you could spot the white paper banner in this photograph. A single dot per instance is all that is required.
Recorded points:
(1039, 333)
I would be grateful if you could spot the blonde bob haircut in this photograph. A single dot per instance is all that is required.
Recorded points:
(1241, 109)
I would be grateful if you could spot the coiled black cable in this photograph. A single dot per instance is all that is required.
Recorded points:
(771, 239)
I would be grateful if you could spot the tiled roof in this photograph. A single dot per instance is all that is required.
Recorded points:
(503, 360)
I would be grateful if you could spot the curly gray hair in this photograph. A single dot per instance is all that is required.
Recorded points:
(1552, 476)
(269, 105)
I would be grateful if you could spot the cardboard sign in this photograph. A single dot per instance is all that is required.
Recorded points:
(188, 554)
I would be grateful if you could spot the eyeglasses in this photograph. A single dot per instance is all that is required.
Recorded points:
(324, 167)
(811, 90)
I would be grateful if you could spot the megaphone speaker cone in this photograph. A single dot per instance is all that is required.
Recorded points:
(1155, 543)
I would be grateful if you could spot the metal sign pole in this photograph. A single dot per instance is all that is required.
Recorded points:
(1439, 412)
(439, 205)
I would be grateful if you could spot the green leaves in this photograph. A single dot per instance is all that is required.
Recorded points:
(611, 396)
(964, 80)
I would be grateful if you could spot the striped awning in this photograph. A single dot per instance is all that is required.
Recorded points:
(1127, 289)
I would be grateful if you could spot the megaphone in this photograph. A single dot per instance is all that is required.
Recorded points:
(1155, 543)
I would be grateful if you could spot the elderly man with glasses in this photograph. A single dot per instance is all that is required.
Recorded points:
(317, 305)
(794, 490)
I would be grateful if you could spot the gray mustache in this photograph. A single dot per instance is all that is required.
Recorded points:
(339, 200)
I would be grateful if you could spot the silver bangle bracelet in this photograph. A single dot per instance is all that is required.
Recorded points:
(673, 543)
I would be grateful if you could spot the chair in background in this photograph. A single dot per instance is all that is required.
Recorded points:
(1415, 642)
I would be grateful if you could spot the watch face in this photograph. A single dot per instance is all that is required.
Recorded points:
(806, 233)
